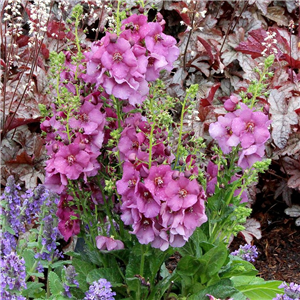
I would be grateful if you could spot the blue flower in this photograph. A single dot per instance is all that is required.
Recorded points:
(291, 292)
(100, 290)
(246, 252)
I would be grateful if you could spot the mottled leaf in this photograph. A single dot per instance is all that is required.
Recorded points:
(276, 13)
(293, 211)
(261, 4)
(252, 229)
(283, 116)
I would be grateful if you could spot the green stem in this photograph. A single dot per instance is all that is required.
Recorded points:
(108, 211)
(142, 260)
(151, 144)
(258, 86)
(180, 130)
(118, 27)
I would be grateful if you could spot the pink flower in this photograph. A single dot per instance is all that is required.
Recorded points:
(182, 193)
(161, 44)
(251, 155)
(211, 173)
(71, 161)
(144, 230)
(127, 185)
(222, 132)
(157, 181)
(118, 57)
(251, 127)
(89, 119)
(145, 202)
(106, 243)
(135, 28)
(231, 103)
(130, 142)
(69, 225)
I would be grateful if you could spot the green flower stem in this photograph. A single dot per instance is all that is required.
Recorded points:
(151, 144)
(180, 129)
(41, 251)
(118, 25)
(142, 260)
(153, 123)
(191, 92)
(57, 89)
(77, 14)
(108, 211)
(118, 105)
(262, 77)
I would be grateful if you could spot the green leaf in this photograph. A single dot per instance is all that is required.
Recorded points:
(212, 261)
(111, 274)
(28, 256)
(60, 263)
(222, 289)
(256, 288)
(33, 290)
(133, 266)
(188, 266)
(55, 284)
(82, 268)
(77, 293)
(133, 283)
(9, 230)
(155, 262)
(238, 267)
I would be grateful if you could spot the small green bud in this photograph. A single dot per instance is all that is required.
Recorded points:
(269, 61)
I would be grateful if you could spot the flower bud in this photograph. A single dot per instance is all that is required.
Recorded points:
(175, 175)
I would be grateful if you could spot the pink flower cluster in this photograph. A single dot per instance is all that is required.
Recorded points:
(74, 141)
(244, 127)
(73, 144)
(164, 206)
(123, 65)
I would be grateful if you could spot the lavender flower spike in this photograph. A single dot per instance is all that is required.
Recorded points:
(12, 273)
(291, 292)
(246, 252)
(100, 290)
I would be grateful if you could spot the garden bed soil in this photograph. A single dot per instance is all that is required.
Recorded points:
(279, 247)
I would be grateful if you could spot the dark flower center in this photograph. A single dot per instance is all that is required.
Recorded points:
(84, 118)
(250, 127)
(132, 183)
(117, 57)
(158, 181)
(158, 38)
(182, 193)
(151, 61)
(69, 224)
(229, 131)
(71, 159)
(135, 145)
